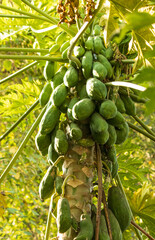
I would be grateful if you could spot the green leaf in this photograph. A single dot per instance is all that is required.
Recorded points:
(146, 75)
(137, 20)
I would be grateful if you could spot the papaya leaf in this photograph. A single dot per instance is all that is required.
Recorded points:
(137, 20)
(145, 75)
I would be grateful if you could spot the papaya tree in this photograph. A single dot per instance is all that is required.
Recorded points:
(97, 61)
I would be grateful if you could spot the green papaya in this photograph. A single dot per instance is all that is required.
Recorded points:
(42, 142)
(130, 107)
(98, 45)
(111, 153)
(122, 131)
(103, 232)
(118, 205)
(75, 132)
(99, 71)
(120, 105)
(101, 137)
(108, 109)
(115, 228)
(64, 53)
(58, 95)
(112, 135)
(117, 120)
(54, 48)
(52, 154)
(86, 228)
(83, 92)
(58, 77)
(46, 186)
(83, 109)
(114, 169)
(63, 215)
(58, 184)
(60, 142)
(97, 123)
(61, 38)
(106, 64)
(109, 53)
(96, 89)
(64, 46)
(49, 70)
(49, 119)
(70, 106)
(87, 63)
(71, 77)
(45, 94)
(79, 51)
(64, 106)
(96, 30)
(89, 44)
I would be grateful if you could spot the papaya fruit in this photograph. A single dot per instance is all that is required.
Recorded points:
(99, 71)
(71, 77)
(112, 135)
(42, 142)
(52, 154)
(79, 51)
(86, 228)
(49, 70)
(89, 44)
(58, 77)
(83, 92)
(117, 120)
(60, 142)
(122, 131)
(130, 107)
(114, 169)
(64, 46)
(75, 132)
(120, 105)
(45, 94)
(96, 89)
(70, 106)
(61, 38)
(58, 184)
(63, 215)
(97, 123)
(64, 53)
(58, 95)
(103, 60)
(96, 30)
(83, 109)
(103, 232)
(108, 109)
(109, 53)
(111, 154)
(118, 205)
(46, 186)
(115, 228)
(87, 63)
(49, 119)
(101, 137)
(98, 45)
(64, 105)
(54, 48)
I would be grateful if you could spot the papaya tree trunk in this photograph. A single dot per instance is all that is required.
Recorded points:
(79, 162)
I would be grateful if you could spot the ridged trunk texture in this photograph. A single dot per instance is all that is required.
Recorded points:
(79, 162)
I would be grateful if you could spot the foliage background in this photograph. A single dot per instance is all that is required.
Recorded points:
(24, 215)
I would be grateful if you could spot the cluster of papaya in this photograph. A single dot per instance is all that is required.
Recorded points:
(81, 108)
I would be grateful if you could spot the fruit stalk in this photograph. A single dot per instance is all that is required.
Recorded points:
(142, 230)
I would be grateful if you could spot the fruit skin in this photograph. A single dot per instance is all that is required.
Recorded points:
(54, 48)
(79, 51)
(129, 105)
(112, 135)
(111, 153)
(120, 105)
(60, 142)
(70, 106)
(58, 95)
(117, 120)
(58, 77)
(64, 46)
(45, 94)
(86, 228)
(96, 30)
(89, 44)
(106, 64)
(122, 131)
(98, 45)
(109, 53)
(83, 109)
(58, 184)
(108, 109)
(87, 63)
(71, 77)
(64, 53)
(46, 186)
(75, 132)
(42, 143)
(118, 205)
(49, 70)
(83, 92)
(63, 215)
(115, 228)
(103, 232)
(61, 38)
(52, 154)
(99, 71)
(96, 89)
(49, 119)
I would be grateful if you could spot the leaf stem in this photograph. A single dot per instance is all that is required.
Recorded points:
(141, 131)
(47, 233)
(24, 142)
(99, 170)
(47, 16)
(18, 72)
(142, 230)
(19, 120)
(34, 57)
(16, 16)
(143, 125)
(7, 49)
(122, 189)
